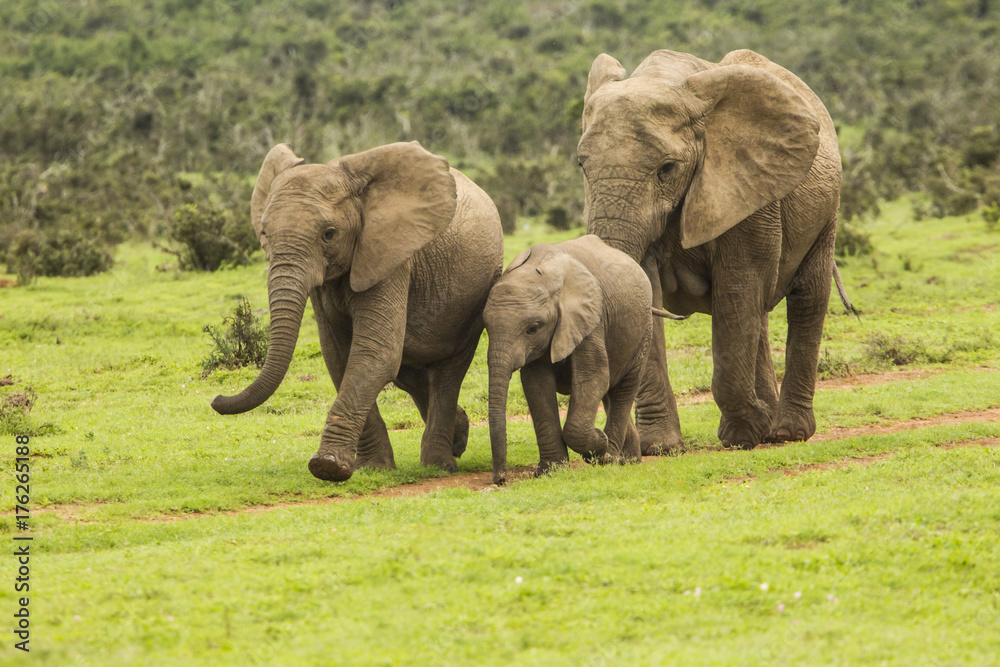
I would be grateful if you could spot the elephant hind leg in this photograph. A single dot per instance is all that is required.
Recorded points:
(447, 431)
(416, 383)
(807, 305)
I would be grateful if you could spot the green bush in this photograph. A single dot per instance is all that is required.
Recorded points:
(893, 349)
(67, 252)
(210, 238)
(851, 240)
(240, 341)
(558, 218)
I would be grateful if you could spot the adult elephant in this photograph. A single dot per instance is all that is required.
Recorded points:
(397, 253)
(723, 182)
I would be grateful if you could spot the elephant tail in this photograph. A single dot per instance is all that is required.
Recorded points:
(848, 306)
(667, 315)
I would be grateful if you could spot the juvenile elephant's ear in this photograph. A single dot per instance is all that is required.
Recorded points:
(580, 304)
(408, 197)
(521, 258)
(604, 69)
(760, 141)
(278, 159)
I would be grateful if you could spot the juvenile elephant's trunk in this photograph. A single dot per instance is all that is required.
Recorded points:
(287, 297)
(500, 374)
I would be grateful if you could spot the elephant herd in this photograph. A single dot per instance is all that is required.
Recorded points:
(708, 187)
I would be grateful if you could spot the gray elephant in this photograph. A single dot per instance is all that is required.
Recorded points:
(575, 318)
(723, 182)
(397, 253)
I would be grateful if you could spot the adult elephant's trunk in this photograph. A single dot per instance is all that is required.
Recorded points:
(500, 374)
(618, 212)
(287, 295)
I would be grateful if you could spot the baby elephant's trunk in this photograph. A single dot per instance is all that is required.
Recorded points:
(499, 382)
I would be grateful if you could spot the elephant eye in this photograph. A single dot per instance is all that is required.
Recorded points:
(666, 169)
(328, 234)
(533, 329)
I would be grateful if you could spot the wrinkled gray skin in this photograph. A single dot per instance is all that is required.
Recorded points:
(575, 318)
(723, 182)
(397, 253)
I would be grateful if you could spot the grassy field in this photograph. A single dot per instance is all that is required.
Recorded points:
(867, 545)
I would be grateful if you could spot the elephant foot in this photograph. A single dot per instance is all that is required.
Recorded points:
(330, 468)
(545, 467)
(380, 460)
(460, 439)
(592, 447)
(439, 459)
(661, 438)
(792, 426)
(742, 434)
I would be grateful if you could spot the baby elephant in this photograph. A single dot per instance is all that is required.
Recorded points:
(575, 318)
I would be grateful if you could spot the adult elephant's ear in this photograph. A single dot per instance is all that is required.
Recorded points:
(604, 69)
(408, 197)
(580, 304)
(278, 159)
(760, 141)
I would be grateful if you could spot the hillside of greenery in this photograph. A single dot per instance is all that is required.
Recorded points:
(123, 119)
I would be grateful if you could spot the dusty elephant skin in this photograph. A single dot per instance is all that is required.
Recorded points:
(398, 253)
(575, 318)
(723, 181)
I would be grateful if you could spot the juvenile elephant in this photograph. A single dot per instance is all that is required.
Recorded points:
(575, 318)
(723, 182)
(397, 253)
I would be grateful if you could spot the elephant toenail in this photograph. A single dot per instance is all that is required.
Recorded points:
(327, 467)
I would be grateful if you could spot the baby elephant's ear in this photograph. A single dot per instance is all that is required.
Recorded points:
(580, 305)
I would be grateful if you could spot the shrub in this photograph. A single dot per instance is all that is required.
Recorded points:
(833, 365)
(15, 404)
(557, 218)
(852, 241)
(240, 341)
(894, 349)
(210, 238)
(67, 252)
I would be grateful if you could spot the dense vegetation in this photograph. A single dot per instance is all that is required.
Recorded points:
(116, 115)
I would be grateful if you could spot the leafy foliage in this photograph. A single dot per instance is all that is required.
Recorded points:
(210, 238)
(107, 104)
(64, 252)
(240, 341)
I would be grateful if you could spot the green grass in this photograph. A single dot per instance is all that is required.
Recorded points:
(610, 558)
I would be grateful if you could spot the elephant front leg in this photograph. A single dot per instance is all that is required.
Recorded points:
(590, 384)
(538, 380)
(376, 351)
(374, 448)
(655, 406)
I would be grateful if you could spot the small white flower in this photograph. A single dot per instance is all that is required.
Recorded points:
(798, 594)
(764, 586)
(518, 580)
(697, 592)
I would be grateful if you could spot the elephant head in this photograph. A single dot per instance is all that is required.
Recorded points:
(363, 215)
(544, 304)
(688, 143)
